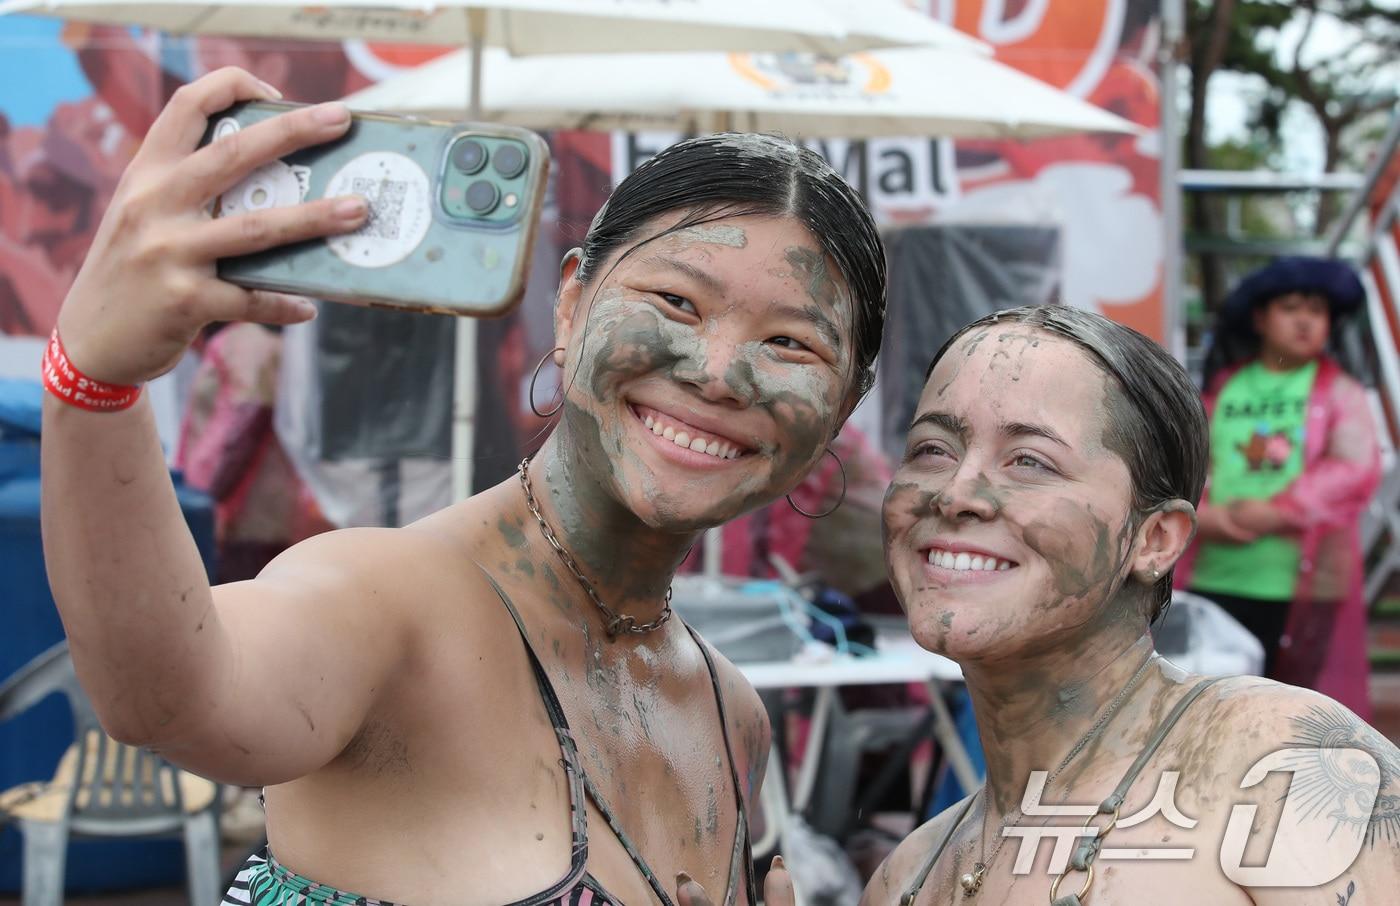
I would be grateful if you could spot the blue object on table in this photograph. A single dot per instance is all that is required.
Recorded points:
(854, 632)
(950, 792)
(30, 745)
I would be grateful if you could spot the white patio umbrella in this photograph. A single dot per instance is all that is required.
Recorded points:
(537, 26)
(899, 92)
(532, 27)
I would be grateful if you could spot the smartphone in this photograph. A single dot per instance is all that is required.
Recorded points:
(454, 209)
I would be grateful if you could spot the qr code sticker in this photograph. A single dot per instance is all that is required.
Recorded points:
(386, 200)
(398, 192)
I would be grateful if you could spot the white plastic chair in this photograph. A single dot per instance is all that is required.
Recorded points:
(102, 788)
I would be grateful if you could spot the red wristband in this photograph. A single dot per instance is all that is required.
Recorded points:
(69, 384)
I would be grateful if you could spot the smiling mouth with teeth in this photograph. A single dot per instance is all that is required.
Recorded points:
(691, 439)
(965, 562)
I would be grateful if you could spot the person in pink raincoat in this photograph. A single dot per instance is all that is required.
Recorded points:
(1294, 463)
(228, 449)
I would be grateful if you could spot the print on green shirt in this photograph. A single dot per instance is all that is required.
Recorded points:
(1256, 451)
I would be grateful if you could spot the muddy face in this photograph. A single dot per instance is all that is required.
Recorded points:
(1008, 527)
(705, 373)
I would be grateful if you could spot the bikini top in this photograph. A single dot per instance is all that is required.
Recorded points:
(578, 887)
(1087, 850)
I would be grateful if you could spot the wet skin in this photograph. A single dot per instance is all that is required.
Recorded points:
(711, 327)
(1012, 453)
(1007, 458)
(979, 471)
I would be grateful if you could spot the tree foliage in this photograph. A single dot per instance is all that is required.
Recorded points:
(1337, 59)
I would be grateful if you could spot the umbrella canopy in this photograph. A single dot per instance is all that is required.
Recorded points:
(532, 27)
(539, 26)
(891, 92)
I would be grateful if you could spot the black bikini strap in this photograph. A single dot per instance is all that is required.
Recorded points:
(1115, 801)
(912, 893)
(573, 771)
(742, 853)
(551, 701)
(578, 780)
(1086, 851)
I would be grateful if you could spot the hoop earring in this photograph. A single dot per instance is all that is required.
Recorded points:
(840, 465)
(535, 377)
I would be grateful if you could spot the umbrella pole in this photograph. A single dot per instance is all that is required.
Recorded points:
(476, 31)
(464, 363)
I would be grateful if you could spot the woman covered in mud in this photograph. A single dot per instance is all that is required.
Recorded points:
(492, 705)
(1045, 495)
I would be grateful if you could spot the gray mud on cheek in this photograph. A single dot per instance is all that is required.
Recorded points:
(797, 399)
(1056, 541)
(637, 340)
(910, 498)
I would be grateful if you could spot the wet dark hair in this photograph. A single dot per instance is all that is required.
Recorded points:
(733, 174)
(1156, 424)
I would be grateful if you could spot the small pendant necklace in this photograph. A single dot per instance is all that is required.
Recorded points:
(616, 623)
(971, 882)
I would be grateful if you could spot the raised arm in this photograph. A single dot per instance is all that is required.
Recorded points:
(256, 682)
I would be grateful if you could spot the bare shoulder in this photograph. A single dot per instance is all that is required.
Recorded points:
(442, 547)
(1279, 714)
(901, 868)
(1247, 719)
(358, 552)
(378, 583)
(1316, 782)
(364, 563)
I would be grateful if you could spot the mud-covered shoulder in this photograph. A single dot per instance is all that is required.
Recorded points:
(1319, 785)
(1309, 734)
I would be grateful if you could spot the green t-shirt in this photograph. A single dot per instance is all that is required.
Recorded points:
(1256, 450)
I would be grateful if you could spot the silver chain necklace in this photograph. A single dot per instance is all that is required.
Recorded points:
(972, 881)
(616, 623)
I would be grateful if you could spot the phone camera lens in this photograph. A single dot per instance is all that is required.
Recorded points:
(509, 161)
(482, 197)
(469, 155)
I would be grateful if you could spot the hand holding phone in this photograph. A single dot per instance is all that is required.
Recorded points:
(149, 283)
(453, 212)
